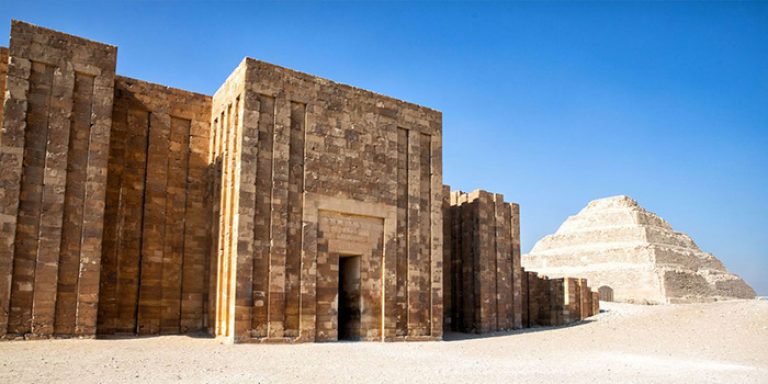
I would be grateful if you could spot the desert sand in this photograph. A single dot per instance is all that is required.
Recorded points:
(723, 342)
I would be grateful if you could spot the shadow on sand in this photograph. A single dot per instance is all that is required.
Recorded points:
(460, 336)
(133, 336)
(448, 336)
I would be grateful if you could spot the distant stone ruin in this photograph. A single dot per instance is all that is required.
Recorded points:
(635, 255)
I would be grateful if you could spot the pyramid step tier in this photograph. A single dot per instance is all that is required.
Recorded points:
(615, 243)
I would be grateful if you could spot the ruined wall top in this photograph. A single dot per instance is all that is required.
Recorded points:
(56, 48)
(364, 93)
(62, 46)
(459, 197)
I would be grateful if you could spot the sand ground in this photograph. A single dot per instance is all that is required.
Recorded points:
(723, 342)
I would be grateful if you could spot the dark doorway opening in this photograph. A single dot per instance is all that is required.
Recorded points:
(349, 298)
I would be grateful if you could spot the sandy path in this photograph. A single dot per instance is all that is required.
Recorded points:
(701, 343)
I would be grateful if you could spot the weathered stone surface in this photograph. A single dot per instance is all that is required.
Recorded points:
(54, 146)
(296, 153)
(553, 302)
(482, 262)
(617, 244)
(157, 220)
(3, 75)
(285, 208)
(485, 287)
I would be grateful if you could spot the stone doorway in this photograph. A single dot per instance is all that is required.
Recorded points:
(350, 299)
(347, 228)
(606, 293)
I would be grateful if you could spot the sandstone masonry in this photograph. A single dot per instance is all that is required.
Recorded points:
(486, 288)
(54, 148)
(284, 208)
(311, 172)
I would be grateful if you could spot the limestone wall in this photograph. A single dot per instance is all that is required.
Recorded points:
(227, 150)
(227, 213)
(482, 256)
(3, 74)
(486, 288)
(157, 220)
(128, 207)
(555, 302)
(303, 150)
(539, 296)
(54, 149)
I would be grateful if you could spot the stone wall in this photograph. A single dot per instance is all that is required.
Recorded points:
(297, 151)
(157, 220)
(53, 149)
(486, 288)
(3, 75)
(293, 171)
(555, 302)
(482, 259)
(548, 299)
(132, 208)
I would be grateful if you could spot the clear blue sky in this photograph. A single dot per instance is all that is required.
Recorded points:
(552, 104)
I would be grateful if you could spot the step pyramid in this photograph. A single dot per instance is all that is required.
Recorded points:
(635, 256)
